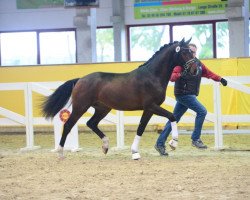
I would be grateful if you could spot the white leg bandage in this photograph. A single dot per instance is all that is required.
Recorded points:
(174, 142)
(174, 130)
(134, 147)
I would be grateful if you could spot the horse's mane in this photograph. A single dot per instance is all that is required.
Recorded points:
(157, 52)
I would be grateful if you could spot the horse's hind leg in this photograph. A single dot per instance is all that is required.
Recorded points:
(74, 117)
(100, 112)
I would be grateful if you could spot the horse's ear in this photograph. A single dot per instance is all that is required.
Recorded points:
(187, 42)
(182, 41)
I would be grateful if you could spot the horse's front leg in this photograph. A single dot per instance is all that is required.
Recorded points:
(143, 123)
(156, 109)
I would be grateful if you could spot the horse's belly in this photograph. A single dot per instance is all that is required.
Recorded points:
(127, 107)
(123, 101)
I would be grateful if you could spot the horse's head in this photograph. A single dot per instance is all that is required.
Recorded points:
(183, 56)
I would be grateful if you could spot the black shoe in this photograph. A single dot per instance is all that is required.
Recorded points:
(199, 144)
(161, 150)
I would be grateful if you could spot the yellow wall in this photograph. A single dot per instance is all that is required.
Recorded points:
(233, 102)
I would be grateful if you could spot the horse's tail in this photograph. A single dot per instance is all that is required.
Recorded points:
(56, 101)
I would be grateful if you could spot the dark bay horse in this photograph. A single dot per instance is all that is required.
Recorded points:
(141, 89)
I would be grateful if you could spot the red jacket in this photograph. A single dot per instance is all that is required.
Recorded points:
(205, 73)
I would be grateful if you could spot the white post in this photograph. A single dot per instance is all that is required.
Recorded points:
(217, 117)
(29, 118)
(120, 129)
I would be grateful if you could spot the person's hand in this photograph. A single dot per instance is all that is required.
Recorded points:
(223, 81)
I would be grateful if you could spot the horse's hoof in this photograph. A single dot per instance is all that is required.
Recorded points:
(136, 156)
(105, 146)
(105, 150)
(59, 151)
(61, 157)
(173, 144)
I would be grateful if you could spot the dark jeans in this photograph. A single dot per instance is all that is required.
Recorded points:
(183, 103)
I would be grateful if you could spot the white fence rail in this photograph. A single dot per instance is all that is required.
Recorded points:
(46, 88)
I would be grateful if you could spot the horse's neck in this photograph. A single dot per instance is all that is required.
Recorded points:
(167, 72)
(162, 70)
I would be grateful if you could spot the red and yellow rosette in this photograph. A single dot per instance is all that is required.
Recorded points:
(64, 115)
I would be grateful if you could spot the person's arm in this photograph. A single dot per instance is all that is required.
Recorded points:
(176, 74)
(210, 75)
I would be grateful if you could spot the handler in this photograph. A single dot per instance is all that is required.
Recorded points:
(186, 90)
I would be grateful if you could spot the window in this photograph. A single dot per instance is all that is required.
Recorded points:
(201, 36)
(57, 47)
(222, 40)
(105, 45)
(146, 40)
(34, 47)
(18, 48)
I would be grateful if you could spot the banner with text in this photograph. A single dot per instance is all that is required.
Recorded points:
(144, 9)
